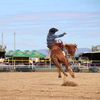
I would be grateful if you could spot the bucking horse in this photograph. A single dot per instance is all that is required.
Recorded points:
(57, 57)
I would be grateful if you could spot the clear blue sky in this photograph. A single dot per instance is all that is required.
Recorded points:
(31, 20)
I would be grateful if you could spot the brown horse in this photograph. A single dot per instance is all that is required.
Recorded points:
(57, 57)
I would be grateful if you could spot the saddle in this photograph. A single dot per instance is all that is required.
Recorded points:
(59, 46)
(54, 48)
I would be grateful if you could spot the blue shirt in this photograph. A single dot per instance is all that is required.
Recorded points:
(51, 37)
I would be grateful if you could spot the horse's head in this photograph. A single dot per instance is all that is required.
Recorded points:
(71, 48)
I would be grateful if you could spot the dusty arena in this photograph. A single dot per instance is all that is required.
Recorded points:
(47, 86)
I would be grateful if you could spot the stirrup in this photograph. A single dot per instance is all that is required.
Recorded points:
(67, 55)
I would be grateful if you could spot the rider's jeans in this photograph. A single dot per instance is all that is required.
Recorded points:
(51, 45)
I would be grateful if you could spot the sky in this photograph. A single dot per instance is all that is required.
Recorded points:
(31, 20)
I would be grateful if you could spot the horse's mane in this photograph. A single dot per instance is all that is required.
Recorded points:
(70, 48)
(70, 45)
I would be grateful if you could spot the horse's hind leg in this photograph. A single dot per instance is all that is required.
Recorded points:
(57, 64)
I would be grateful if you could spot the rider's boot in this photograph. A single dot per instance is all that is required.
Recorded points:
(66, 53)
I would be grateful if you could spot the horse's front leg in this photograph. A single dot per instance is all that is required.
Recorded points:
(69, 69)
(59, 76)
(71, 72)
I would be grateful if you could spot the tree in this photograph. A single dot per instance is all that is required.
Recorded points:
(96, 48)
(2, 48)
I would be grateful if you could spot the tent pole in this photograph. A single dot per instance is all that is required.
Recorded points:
(29, 62)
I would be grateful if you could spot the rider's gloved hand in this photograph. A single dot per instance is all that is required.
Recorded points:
(64, 33)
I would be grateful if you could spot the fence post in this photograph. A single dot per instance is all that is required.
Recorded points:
(50, 63)
(14, 64)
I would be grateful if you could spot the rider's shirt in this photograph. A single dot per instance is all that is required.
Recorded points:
(51, 37)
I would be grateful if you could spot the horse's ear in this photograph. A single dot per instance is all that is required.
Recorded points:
(75, 44)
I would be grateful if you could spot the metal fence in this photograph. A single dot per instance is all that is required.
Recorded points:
(45, 65)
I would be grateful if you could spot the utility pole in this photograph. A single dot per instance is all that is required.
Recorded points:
(14, 41)
(2, 41)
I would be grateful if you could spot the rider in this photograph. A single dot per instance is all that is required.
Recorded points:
(51, 39)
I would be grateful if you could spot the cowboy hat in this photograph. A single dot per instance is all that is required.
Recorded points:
(53, 30)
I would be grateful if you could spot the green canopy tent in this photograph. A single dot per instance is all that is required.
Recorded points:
(35, 53)
(20, 57)
(19, 53)
(23, 57)
(9, 53)
(27, 51)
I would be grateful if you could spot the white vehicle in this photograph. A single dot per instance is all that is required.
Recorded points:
(84, 60)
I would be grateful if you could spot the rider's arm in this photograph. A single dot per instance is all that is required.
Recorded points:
(57, 36)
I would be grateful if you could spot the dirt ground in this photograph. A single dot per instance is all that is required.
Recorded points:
(47, 86)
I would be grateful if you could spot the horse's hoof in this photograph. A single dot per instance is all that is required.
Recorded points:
(66, 75)
(73, 76)
(59, 76)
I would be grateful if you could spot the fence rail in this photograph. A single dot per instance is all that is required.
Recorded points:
(43, 65)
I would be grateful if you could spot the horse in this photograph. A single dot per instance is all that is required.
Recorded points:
(57, 57)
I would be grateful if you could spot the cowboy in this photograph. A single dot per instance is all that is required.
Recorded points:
(51, 39)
